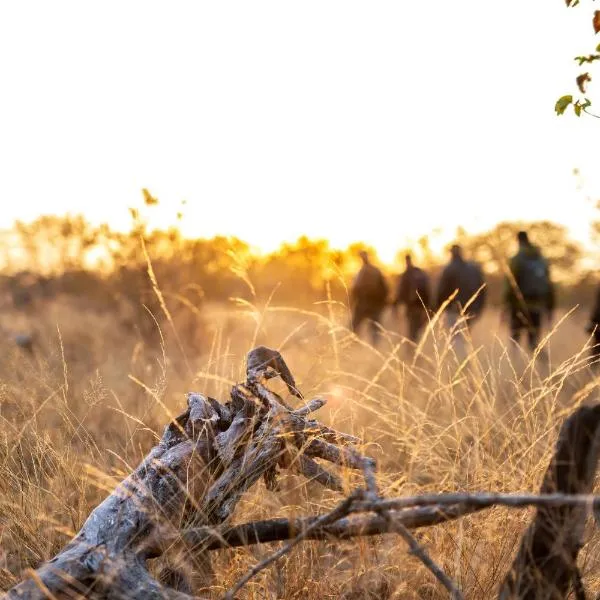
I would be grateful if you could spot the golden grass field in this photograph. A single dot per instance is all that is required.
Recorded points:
(76, 418)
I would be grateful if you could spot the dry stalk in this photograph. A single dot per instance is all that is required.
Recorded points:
(212, 453)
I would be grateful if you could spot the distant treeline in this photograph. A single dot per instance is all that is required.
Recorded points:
(68, 255)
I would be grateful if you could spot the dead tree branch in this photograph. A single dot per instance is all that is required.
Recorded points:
(546, 564)
(188, 486)
(207, 458)
(276, 530)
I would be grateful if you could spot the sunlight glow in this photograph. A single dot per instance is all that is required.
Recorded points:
(345, 120)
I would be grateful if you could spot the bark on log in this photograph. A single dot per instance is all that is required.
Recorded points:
(188, 486)
(107, 557)
(546, 563)
(207, 458)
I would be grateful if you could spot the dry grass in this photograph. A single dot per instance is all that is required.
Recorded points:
(75, 419)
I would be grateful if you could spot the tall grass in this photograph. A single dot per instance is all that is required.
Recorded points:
(76, 418)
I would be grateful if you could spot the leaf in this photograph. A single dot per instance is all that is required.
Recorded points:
(582, 80)
(580, 107)
(596, 21)
(590, 58)
(562, 104)
(598, 48)
(572, 3)
(149, 199)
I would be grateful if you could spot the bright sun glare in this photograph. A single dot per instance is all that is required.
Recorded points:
(343, 120)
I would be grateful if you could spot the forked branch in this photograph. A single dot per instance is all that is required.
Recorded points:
(207, 458)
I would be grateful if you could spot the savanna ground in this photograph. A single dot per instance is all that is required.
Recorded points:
(76, 418)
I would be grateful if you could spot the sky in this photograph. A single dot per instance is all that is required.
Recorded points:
(375, 121)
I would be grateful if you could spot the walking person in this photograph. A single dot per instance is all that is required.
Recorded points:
(462, 287)
(529, 292)
(414, 292)
(368, 297)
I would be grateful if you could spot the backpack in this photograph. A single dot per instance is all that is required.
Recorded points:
(532, 276)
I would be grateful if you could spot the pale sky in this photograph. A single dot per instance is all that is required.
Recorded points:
(375, 121)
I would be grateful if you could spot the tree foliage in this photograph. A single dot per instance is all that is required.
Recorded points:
(582, 103)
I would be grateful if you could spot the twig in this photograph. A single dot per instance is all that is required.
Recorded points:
(341, 510)
(315, 472)
(482, 500)
(417, 550)
(347, 457)
(311, 406)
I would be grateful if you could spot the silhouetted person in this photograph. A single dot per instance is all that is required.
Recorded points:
(414, 292)
(462, 280)
(529, 293)
(368, 297)
(594, 327)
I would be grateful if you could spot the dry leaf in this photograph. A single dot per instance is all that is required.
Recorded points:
(582, 80)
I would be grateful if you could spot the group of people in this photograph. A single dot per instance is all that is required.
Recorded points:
(461, 294)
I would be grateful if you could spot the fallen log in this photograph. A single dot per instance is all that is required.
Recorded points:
(207, 458)
(188, 486)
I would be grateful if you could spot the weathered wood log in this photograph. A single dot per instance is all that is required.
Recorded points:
(207, 458)
(546, 564)
(107, 557)
(188, 486)
(312, 470)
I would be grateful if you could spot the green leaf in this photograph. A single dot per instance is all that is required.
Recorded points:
(590, 58)
(598, 48)
(580, 107)
(562, 104)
